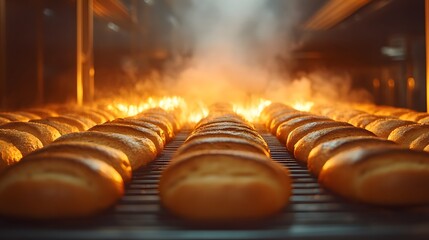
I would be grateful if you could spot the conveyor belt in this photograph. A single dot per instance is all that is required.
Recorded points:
(313, 213)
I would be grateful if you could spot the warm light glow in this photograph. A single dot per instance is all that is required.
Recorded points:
(166, 103)
(411, 83)
(391, 83)
(303, 106)
(251, 110)
(376, 83)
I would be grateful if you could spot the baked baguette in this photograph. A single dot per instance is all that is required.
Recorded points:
(390, 176)
(9, 155)
(164, 125)
(383, 127)
(222, 185)
(230, 133)
(25, 142)
(275, 123)
(304, 146)
(135, 122)
(139, 151)
(307, 128)
(404, 135)
(222, 143)
(63, 128)
(115, 158)
(14, 117)
(420, 142)
(58, 186)
(136, 131)
(362, 120)
(323, 152)
(414, 116)
(45, 133)
(285, 128)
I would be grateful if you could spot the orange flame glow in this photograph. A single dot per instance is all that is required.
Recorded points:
(252, 110)
(303, 105)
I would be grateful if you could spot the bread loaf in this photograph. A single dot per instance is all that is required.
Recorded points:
(113, 157)
(9, 155)
(25, 142)
(151, 126)
(307, 128)
(420, 142)
(222, 185)
(404, 135)
(58, 186)
(383, 127)
(390, 176)
(14, 117)
(222, 143)
(164, 125)
(323, 152)
(139, 151)
(63, 128)
(285, 128)
(45, 133)
(304, 146)
(136, 131)
(362, 120)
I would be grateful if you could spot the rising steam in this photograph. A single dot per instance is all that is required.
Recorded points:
(239, 49)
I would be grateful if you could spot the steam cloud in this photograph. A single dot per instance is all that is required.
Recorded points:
(239, 50)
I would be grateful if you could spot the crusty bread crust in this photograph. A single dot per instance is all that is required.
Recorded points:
(224, 185)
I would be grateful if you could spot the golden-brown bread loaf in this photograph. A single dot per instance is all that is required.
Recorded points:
(63, 128)
(414, 116)
(4, 121)
(115, 158)
(307, 128)
(391, 176)
(14, 117)
(88, 113)
(42, 112)
(135, 122)
(265, 113)
(250, 136)
(84, 122)
(404, 135)
(424, 120)
(224, 185)
(391, 111)
(227, 127)
(383, 127)
(161, 118)
(27, 115)
(165, 126)
(9, 155)
(420, 142)
(220, 119)
(25, 142)
(362, 120)
(277, 114)
(136, 131)
(139, 151)
(70, 120)
(58, 186)
(285, 128)
(45, 133)
(161, 112)
(323, 152)
(225, 123)
(275, 123)
(222, 143)
(304, 146)
(345, 115)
